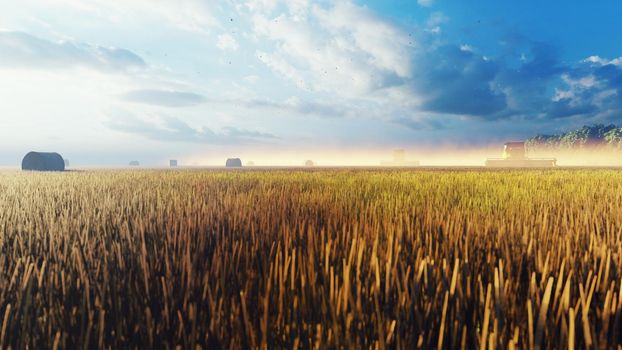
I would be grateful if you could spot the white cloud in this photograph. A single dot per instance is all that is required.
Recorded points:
(59, 110)
(342, 49)
(436, 19)
(165, 128)
(466, 48)
(24, 50)
(575, 88)
(562, 94)
(264, 6)
(385, 45)
(189, 15)
(603, 61)
(595, 59)
(227, 42)
(251, 79)
(425, 3)
(433, 30)
(280, 65)
(164, 98)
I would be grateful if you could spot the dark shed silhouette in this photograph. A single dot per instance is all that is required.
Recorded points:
(43, 161)
(233, 163)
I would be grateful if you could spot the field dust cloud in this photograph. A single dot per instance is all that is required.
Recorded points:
(426, 156)
(587, 157)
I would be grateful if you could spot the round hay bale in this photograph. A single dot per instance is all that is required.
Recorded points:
(43, 161)
(233, 163)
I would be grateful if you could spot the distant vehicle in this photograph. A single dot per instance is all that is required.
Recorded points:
(233, 163)
(309, 163)
(43, 161)
(399, 160)
(515, 156)
(172, 163)
(134, 163)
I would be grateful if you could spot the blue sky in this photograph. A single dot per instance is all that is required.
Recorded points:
(105, 82)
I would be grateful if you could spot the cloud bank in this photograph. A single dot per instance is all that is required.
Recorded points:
(171, 129)
(19, 49)
(417, 78)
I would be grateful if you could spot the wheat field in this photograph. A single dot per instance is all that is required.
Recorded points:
(311, 259)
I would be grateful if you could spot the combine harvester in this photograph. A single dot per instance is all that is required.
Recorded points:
(399, 160)
(514, 156)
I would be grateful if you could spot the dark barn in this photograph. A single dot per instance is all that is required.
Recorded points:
(43, 161)
(233, 163)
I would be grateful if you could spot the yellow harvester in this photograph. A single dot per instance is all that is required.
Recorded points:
(514, 156)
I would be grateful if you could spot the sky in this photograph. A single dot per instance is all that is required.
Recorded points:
(104, 82)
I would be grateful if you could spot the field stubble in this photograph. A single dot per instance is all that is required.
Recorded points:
(311, 259)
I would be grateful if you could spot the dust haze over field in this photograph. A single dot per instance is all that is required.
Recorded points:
(427, 155)
(447, 155)
(594, 156)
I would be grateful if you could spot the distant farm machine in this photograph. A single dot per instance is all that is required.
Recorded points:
(514, 156)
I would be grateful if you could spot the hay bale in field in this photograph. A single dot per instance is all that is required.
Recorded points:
(43, 161)
(134, 163)
(233, 163)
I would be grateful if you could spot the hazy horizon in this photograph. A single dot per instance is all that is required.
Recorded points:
(430, 156)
